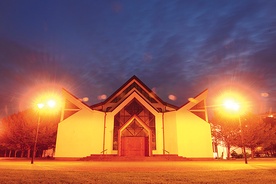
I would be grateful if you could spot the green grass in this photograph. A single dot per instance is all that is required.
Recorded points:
(136, 172)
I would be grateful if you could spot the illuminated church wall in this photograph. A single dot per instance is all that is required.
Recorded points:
(109, 135)
(133, 112)
(193, 132)
(170, 133)
(81, 133)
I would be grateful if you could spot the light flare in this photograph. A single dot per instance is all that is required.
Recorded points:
(51, 103)
(102, 97)
(231, 104)
(48, 102)
(172, 97)
(40, 105)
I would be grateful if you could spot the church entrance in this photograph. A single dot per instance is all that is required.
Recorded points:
(134, 128)
(134, 139)
(135, 146)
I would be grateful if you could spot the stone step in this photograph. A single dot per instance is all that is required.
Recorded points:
(167, 157)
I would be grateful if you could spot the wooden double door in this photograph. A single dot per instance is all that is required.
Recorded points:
(135, 146)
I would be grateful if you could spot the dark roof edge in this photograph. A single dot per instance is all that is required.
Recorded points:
(75, 97)
(113, 94)
(194, 97)
(125, 84)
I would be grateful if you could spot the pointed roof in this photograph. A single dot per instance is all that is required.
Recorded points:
(75, 100)
(193, 101)
(134, 85)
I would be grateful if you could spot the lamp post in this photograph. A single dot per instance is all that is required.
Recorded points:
(40, 106)
(51, 104)
(232, 105)
(242, 140)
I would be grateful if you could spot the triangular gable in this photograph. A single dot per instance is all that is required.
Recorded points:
(69, 109)
(197, 105)
(133, 84)
(72, 105)
(138, 97)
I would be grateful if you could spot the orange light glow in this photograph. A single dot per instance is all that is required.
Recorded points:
(102, 97)
(40, 93)
(172, 97)
(51, 103)
(48, 101)
(40, 105)
(233, 103)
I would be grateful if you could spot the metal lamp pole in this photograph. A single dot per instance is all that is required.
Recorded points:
(242, 140)
(231, 104)
(50, 104)
(36, 135)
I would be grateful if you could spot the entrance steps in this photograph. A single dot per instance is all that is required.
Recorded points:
(107, 157)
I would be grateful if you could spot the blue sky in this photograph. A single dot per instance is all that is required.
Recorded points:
(179, 47)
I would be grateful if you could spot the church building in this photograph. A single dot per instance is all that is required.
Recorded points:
(133, 121)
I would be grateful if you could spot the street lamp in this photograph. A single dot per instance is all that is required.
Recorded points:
(232, 105)
(51, 104)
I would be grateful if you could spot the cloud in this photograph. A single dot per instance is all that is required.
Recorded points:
(176, 47)
(23, 70)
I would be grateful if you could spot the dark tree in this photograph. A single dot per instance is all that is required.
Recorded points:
(252, 127)
(19, 130)
(269, 136)
(225, 130)
(17, 133)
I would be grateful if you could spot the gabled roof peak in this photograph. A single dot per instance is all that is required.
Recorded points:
(193, 101)
(133, 84)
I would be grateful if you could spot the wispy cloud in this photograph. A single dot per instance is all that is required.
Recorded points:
(176, 47)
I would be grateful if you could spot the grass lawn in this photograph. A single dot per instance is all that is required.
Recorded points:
(257, 171)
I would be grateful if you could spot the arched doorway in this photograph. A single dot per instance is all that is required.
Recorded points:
(134, 125)
(134, 138)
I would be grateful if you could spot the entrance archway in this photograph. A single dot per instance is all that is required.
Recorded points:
(134, 138)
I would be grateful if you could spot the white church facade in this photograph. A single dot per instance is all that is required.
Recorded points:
(134, 121)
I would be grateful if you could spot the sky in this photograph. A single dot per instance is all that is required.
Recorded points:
(177, 48)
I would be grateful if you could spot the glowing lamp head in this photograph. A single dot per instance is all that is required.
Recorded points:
(51, 103)
(231, 105)
(48, 102)
(40, 105)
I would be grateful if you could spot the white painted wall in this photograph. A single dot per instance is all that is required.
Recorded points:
(194, 135)
(171, 141)
(109, 134)
(80, 134)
